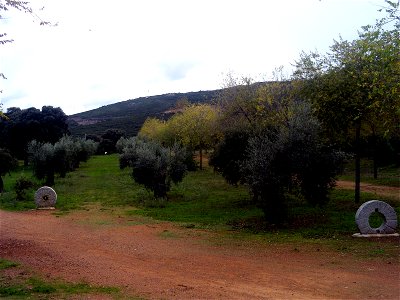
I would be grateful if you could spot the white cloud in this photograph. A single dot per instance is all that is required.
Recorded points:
(103, 52)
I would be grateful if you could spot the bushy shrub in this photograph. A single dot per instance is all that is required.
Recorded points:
(70, 152)
(127, 148)
(153, 165)
(7, 163)
(21, 185)
(124, 143)
(60, 158)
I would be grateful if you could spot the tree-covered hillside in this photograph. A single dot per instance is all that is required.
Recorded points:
(130, 115)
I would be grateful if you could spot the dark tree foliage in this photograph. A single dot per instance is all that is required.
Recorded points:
(153, 165)
(286, 158)
(21, 185)
(178, 163)
(291, 158)
(23, 126)
(150, 169)
(109, 140)
(43, 161)
(7, 163)
(93, 137)
(229, 155)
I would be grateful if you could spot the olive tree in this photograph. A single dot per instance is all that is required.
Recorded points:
(62, 157)
(42, 158)
(274, 146)
(153, 165)
(355, 87)
(290, 158)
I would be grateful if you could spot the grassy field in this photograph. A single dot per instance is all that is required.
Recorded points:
(202, 200)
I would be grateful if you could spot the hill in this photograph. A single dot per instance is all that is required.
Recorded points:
(130, 115)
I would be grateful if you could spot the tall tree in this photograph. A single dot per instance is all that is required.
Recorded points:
(195, 127)
(274, 146)
(7, 163)
(355, 84)
(23, 126)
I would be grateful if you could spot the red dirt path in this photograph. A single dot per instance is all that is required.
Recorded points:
(379, 190)
(161, 260)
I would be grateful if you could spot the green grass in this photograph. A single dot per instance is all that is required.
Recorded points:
(24, 284)
(98, 180)
(388, 175)
(5, 264)
(7, 200)
(205, 199)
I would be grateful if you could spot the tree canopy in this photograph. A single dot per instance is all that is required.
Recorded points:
(272, 143)
(355, 88)
(195, 126)
(25, 125)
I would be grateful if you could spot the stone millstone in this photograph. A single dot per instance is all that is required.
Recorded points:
(366, 209)
(45, 197)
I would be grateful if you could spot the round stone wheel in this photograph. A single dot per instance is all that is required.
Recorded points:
(389, 224)
(45, 197)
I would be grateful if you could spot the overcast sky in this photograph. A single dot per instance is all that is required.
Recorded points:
(104, 52)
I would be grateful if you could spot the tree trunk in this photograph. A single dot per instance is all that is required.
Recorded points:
(50, 178)
(201, 158)
(375, 165)
(375, 154)
(1, 186)
(358, 163)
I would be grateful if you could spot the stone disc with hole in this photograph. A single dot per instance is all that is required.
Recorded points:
(389, 224)
(45, 197)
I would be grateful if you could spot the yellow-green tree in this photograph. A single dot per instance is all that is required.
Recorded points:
(154, 129)
(195, 127)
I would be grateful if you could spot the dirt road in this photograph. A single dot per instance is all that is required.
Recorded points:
(379, 190)
(161, 260)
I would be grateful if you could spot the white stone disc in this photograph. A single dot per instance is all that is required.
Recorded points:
(366, 209)
(45, 197)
